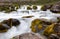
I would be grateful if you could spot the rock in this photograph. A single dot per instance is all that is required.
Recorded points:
(30, 36)
(14, 22)
(57, 27)
(34, 7)
(11, 22)
(38, 25)
(3, 28)
(53, 36)
(45, 7)
(29, 8)
(27, 16)
(55, 8)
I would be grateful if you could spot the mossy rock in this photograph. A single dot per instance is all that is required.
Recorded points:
(46, 6)
(49, 30)
(43, 8)
(8, 11)
(29, 8)
(35, 25)
(16, 5)
(2, 8)
(6, 8)
(34, 7)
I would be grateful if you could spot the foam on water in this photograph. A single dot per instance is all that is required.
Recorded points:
(25, 24)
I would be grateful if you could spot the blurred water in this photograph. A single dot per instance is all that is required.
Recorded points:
(25, 23)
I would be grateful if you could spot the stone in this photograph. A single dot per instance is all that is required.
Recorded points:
(30, 36)
(55, 8)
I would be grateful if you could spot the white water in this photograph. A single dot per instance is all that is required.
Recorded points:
(24, 27)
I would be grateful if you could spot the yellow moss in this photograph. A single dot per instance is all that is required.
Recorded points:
(32, 24)
(36, 23)
(40, 26)
(49, 30)
(33, 29)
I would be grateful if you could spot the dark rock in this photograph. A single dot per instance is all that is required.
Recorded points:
(45, 7)
(3, 27)
(53, 36)
(55, 8)
(27, 16)
(11, 22)
(57, 27)
(14, 22)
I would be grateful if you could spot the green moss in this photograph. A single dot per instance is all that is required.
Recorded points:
(38, 2)
(7, 9)
(16, 5)
(34, 7)
(29, 8)
(43, 8)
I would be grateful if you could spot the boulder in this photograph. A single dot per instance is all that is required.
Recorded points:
(55, 8)
(46, 6)
(30, 36)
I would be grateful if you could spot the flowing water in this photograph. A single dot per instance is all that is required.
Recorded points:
(25, 23)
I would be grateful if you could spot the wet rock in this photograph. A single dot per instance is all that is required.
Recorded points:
(55, 8)
(57, 27)
(45, 7)
(53, 36)
(29, 8)
(34, 7)
(3, 28)
(30, 36)
(11, 22)
(27, 16)
(14, 22)
(38, 25)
